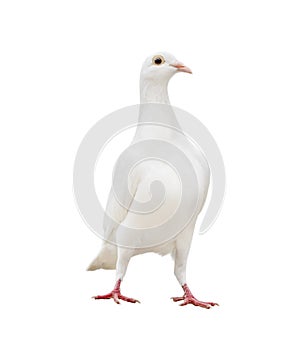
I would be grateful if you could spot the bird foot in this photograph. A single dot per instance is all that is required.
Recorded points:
(188, 298)
(116, 295)
(192, 300)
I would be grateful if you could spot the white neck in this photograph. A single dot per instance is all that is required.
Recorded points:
(155, 109)
(154, 92)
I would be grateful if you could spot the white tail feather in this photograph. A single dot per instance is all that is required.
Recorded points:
(106, 259)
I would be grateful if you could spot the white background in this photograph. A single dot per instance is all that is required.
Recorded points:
(64, 65)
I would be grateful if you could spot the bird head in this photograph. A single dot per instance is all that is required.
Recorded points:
(156, 72)
(161, 67)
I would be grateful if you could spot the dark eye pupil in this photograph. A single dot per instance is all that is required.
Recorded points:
(158, 60)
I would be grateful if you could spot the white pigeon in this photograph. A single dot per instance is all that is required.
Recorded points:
(121, 243)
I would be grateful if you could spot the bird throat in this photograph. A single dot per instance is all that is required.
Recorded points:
(154, 92)
(157, 118)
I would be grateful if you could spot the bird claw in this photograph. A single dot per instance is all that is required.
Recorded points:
(188, 298)
(192, 300)
(116, 296)
(177, 298)
(196, 302)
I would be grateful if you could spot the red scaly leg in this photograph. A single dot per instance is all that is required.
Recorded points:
(116, 295)
(188, 298)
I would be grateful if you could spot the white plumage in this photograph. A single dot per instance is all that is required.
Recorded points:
(155, 108)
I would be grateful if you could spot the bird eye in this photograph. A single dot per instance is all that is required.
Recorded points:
(158, 60)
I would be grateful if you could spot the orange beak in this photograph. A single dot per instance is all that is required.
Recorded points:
(181, 67)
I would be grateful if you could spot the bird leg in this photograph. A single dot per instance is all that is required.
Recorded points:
(188, 298)
(116, 295)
